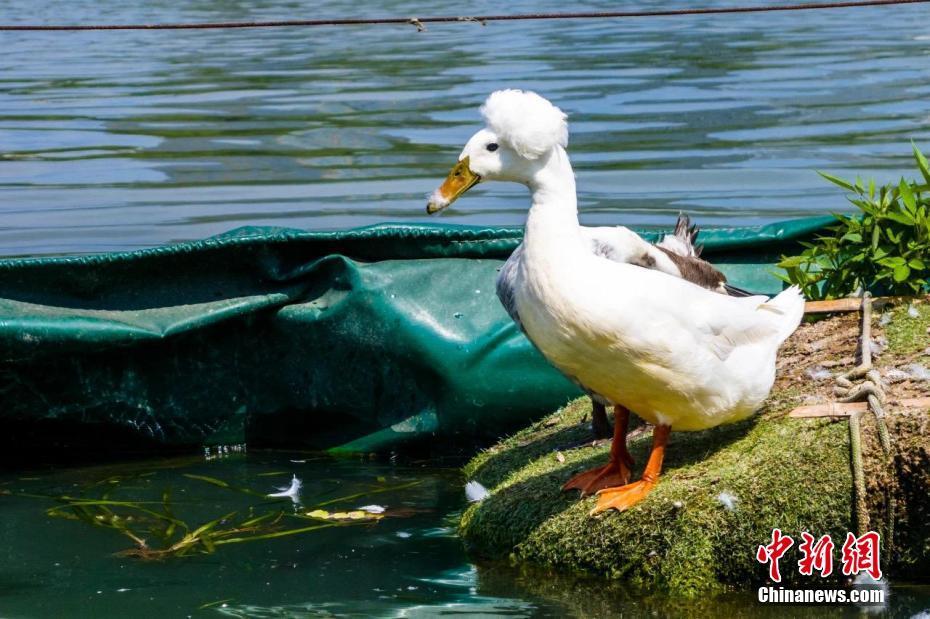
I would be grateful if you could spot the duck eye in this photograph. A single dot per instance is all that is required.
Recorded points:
(492, 147)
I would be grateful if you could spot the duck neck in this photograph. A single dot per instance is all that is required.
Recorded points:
(552, 222)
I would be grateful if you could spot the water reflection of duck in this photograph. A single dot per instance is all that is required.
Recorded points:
(675, 352)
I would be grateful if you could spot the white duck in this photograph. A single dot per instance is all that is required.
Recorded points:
(675, 254)
(677, 354)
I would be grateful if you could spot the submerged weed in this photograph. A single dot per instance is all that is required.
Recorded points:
(158, 533)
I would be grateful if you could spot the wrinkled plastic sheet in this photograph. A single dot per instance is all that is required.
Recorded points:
(357, 340)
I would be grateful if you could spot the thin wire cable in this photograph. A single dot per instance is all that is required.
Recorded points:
(419, 22)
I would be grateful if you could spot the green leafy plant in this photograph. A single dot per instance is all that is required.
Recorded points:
(885, 248)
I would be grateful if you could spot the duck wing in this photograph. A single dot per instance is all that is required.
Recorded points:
(676, 254)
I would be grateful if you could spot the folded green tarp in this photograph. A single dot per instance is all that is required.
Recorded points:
(355, 340)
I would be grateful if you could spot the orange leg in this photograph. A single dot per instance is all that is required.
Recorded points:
(626, 496)
(617, 470)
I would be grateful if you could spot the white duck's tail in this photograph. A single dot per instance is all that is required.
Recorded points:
(788, 307)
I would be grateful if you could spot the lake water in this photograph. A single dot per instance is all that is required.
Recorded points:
(408, 564)
(120, 140)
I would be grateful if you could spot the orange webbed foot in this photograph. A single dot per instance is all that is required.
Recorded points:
(617, 471)
(610, 475)
(624, 497)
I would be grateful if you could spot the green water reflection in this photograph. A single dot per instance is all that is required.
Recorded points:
(408, 565)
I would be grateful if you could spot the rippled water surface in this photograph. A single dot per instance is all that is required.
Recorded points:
(117, 140)
(408, 564)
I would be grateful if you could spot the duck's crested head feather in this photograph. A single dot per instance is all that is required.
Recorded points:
(525, 121)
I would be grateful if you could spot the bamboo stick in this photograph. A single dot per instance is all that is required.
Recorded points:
(845, 409)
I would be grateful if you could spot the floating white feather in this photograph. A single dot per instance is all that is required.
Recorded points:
(291, 492)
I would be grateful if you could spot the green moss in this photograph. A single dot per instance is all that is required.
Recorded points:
(566, 427)
(906, 334)
(786, 473)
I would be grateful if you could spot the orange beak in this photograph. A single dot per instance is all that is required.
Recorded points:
(460, 180)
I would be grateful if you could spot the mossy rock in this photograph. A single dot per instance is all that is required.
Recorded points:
(722, 491)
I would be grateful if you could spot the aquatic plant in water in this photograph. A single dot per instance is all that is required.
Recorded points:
(158, 533)
(885, 248)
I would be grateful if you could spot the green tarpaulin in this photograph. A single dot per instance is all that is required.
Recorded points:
(356, 340)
